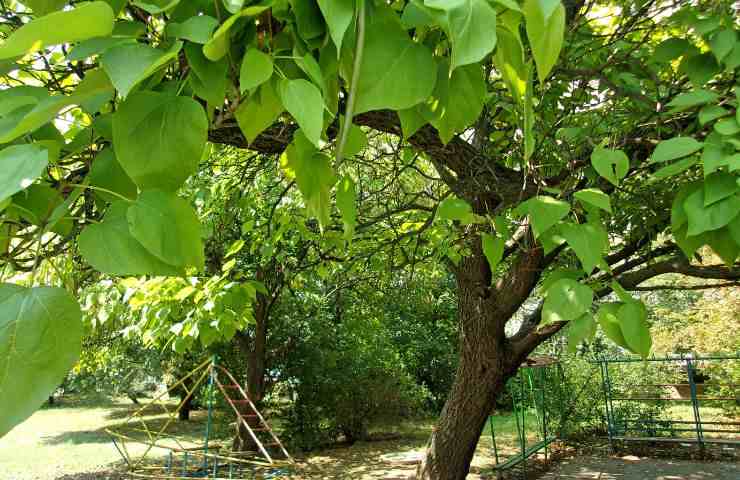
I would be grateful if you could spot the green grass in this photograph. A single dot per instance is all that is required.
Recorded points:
(68, 439)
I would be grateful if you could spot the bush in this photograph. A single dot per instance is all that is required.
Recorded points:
(342, 378)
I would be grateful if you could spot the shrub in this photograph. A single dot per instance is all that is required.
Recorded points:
(344, 377)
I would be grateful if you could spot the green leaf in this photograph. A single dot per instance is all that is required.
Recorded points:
(208, 79)
(566, 300)
(715, 153)
(107, 174)
(259, 112)
(156, 6)
(217, 47)
(635, 328)
(233, 6)
(675, 168)
(711, 112)
(40, 341)
(692, 99)
(304, 102)
(346, 203)
(557, 275)
(110, 248)
(545, 22)
(457, 100)
(470, 26)
(688, 245)
(509, 60)
(390, 55)
(411, 121)
(544, 212)
(732, 61)
(96, 46)
(671, 49)
(256, 69)
(581, 329)
(588, 241)
(308, 18)
(20, 166)
(722, 43)
(610, 325)
(673, 148)
(510, 4)
(313, 174)
(159, 139)
(356, 140)
(168, 228)
(703, 218)
(338, 15)
(613, 165)
(311, 67)
(727, 126)
(42, 7)
(493, 249)
(719, 186)
(32, 113)
(594, 197)
(528, 117)
(700, 68)
(37, 205)
(723, 244)
(93, 19)
(454, 209)
(195, 29)
(734, 230)
(129, 64)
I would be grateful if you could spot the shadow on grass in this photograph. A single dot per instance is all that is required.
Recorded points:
(78, 437)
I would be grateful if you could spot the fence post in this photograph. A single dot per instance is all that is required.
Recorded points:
(605, 388)
(695, 403)
(493, 438)
(523, 407)
(543, 387)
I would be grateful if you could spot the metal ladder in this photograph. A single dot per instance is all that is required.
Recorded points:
(245, 409)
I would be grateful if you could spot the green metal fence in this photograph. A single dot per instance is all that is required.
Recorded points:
(536, 396)
(673, 400)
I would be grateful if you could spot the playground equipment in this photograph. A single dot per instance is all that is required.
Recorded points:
(686, 388)
(536, 395)
(158, 453)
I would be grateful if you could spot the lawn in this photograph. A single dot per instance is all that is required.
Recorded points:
(67, 440)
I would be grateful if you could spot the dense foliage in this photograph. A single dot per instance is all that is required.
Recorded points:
(564, 149)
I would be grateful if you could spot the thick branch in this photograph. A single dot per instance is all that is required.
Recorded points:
(530, 336)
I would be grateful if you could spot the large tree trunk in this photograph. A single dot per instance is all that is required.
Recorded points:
(255, 349)
(486, 360)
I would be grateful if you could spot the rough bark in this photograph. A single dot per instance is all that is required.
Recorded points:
(187, 406)
(486, 360)
(255, 349)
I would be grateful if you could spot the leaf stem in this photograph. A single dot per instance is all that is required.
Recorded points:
(349, 111)
(104, 190)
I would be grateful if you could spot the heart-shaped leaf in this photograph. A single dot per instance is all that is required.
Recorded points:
(40, 340)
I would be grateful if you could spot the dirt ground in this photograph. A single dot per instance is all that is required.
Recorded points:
(636, 468)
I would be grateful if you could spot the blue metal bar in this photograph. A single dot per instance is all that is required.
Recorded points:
(695, 402)
(493, 438)
(679, 358)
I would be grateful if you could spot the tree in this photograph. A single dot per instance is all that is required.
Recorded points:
(558, 135)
